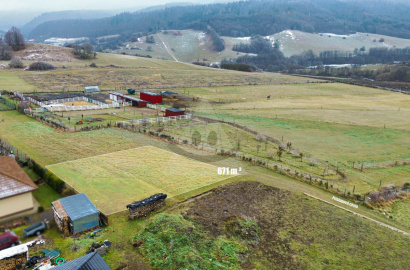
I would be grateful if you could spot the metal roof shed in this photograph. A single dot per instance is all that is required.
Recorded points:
(82, 212)
(92, 261)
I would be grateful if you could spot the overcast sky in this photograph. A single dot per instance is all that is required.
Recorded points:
(54, 5)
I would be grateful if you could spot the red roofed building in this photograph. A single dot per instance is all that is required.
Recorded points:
(151, 97)
(15, 188)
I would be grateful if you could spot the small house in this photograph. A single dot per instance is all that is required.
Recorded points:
(13, 257)
(75, 214)
(16, 188)
(151, 97)
(91, 261)
(91, 89)
(174, 112)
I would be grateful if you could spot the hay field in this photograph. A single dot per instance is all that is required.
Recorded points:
(333, 122)
(111, 181)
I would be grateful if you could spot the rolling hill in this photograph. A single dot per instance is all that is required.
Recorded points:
(240, 19)
(193, 45)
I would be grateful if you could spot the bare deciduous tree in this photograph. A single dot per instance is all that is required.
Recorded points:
(15, 39)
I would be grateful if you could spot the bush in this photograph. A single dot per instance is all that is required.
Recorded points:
(16, 63)
(68, 192)
(40, 209)
(41, 65)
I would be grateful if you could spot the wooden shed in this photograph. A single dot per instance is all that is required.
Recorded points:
(151, 97)
(174, 112)
(75, 214)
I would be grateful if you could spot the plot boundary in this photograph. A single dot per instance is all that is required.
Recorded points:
(106, 211)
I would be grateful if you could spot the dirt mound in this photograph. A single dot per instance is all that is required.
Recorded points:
(44, 52)
(251, 212)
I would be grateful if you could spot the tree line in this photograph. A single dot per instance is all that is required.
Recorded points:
(247, 18)
(270, 58)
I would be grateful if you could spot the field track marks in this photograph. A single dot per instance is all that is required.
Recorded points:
(168, 50)
(360, 215)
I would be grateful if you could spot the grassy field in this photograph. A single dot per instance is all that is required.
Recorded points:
(134, 174)
(115, 71)
(48, 146)
(335, 123)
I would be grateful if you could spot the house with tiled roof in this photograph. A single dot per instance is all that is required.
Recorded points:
(16, 188)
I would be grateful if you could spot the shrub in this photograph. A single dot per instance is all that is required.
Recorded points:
(41, 65)
(68, 192)
(16, 63)
(40, 209)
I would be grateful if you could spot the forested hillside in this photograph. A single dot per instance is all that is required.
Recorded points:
(67, 14)
(247, 19)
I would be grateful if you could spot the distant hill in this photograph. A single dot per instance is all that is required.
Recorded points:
(247, 18)
(65, 15)
(191, 45)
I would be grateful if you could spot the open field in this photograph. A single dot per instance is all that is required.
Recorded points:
(134, 175)
(268, 228)
(115, 71)
(335, 123)
(111, 78)
(235, 139)
(10, 80)
(47, 146)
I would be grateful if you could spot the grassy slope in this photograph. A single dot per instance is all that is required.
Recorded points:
(296, 42)
(129, 72)
(190, 45)
(332, 122)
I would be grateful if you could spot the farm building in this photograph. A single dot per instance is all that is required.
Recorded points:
(151, 97)
(91, 89)
(90, 261)
(136, 102)
(75, 214)
(13, 257)
(174, 112)
(15, 188)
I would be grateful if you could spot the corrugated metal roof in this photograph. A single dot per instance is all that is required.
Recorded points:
(151, 93)
(78, 206)
(13, 180)
(174, 110)
(92, 261)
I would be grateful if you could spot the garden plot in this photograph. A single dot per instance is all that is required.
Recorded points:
(111, 181)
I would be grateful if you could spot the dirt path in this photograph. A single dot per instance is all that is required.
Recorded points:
(353, 212)
(168, 50)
